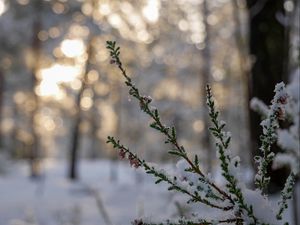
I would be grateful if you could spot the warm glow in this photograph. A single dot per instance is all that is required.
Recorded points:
(102, 88)
(45, 121)
(143, 36)
(7, 125)
(54, 32)
(86, 103)
(218, 74)
(171, 92)
(2, 7)
(59, 73)
(49, 124)
(104, 9)
(93, 76)
(46, 88)
(19, 97)
(183, 25)
(76, 84)
(115, 20)
(53, 76)
(43, 35)
(87, 8)
(151, 11)
(23, 2)
(78, 29)
(198, 126)
(72, 48)
(58, 8)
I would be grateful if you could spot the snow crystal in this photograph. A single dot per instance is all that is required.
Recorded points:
(187, 180)
(182, 165)
(262, 208)
(259, 106)
(280, 91)
(234, 166)
(283, 159)
(287, 141)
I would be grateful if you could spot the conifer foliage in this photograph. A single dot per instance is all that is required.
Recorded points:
(288, 138)
(237, 203)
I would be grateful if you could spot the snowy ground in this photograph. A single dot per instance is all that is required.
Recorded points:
(55, 200)
(95, 199)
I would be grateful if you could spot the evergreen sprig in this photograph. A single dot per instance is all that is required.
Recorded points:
(288, 138)
(135, 161)
(222, 143)
(168, 132)
(187, 222)
(203, 190)
(285, 195)
(170, 135)
(269, 137)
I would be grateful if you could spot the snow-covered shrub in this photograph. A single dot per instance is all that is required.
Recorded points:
(233, 203)
(288, 138)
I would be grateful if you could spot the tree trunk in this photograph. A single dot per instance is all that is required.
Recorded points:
(75, 138)
(94, 151)
(241, 41)
(1, 104)
(34, 155)
(205, 74)
(268, 49)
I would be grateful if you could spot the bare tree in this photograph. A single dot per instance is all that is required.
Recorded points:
(34, 155)
(204, 79)
(1, 103)
(75, 136)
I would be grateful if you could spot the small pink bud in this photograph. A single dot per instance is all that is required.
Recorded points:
(134, 161)
(142, 104)
(280, 114)
(112, 61)
(122, 153)
(131, 156)
(147, 99)
(282, 100)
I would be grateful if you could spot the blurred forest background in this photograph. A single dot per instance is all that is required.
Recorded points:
(60, 97)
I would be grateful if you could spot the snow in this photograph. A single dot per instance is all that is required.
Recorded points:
(286, 139)
(54, 200)
(259, 106)
(283, 159)
(263, 208)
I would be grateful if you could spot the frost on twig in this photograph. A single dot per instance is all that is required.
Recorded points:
(286, 194)
(288, 138)
(269, 136)
(238, 204)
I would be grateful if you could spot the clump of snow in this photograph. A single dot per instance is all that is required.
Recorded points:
(289, 139)
(258, 106)
(262, 208)
(286, 139)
